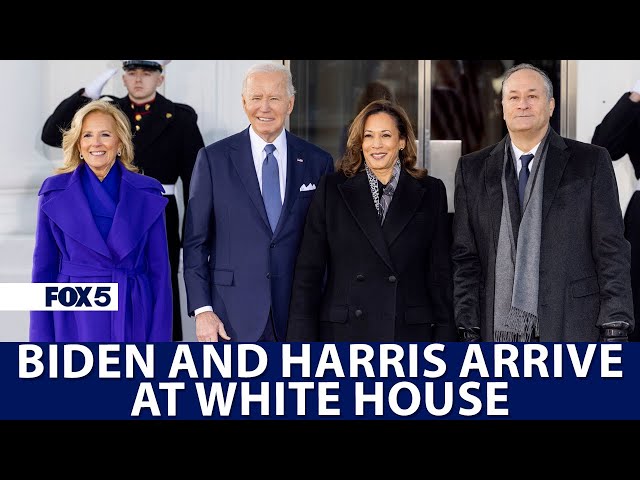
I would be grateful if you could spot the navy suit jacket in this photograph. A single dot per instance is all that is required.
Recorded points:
(232, 259)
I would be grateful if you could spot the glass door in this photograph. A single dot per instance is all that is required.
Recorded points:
(331, 92)
(465, 99)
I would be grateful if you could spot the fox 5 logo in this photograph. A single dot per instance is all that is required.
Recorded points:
(103, 296)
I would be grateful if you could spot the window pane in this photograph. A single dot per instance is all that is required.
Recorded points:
(331, 92)
(466, 103)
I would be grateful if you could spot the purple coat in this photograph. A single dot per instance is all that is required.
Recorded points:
(70, 249)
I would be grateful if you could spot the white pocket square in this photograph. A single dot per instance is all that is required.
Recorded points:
(306, 188)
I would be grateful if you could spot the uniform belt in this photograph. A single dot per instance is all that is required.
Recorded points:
(169, 189)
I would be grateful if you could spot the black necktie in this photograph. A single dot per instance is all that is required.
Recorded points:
(524, 176)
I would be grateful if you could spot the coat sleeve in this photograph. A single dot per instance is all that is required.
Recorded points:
(46, 263)
(611, 251)
(199, 235)
(192, 143)
(309, 271)
(439, 279)
(160, 277)
(467, 269)
(61, 118)
(618, 130)
(330, 167)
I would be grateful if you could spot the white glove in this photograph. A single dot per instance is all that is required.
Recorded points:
(94, 89)
(636, 87)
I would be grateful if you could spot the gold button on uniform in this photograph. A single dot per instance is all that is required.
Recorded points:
(147, 106)
(137, 127)
(169, 115)
(138, 117)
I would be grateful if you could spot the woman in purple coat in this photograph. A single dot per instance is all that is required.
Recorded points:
(101, 221)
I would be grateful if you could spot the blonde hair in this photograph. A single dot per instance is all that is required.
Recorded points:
(71, 137)
(353, 159)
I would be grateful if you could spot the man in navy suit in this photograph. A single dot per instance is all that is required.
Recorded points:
(249, 198)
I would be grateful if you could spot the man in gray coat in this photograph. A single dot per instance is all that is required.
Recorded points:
(538, 250)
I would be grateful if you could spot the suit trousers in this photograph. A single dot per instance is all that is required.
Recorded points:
(269, 333)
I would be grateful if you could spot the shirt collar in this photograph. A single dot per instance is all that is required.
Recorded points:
(258, 143)
(518, 153)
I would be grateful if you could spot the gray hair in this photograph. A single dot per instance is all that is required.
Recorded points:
(548, 86)
(270, 67)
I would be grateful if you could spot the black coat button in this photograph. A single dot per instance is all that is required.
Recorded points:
(392, 279)
(272, 245)
(268, 275)
(358, 313)
(360, 277)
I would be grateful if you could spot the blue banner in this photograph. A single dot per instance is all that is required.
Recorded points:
(320, 381)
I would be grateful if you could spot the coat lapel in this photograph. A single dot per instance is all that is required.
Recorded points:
(295, 174)
(493, 184)
(512, 194)
(406, 200)
(70, 211)
(242, 160)
(357, 196)
(136, 212)
(557, 158)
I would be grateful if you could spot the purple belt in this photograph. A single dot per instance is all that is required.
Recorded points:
(129, 284)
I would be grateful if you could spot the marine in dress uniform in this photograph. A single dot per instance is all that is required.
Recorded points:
(619, 133)
(166, 138)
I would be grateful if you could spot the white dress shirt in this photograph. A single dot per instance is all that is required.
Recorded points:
(517, 153)
(257, 149)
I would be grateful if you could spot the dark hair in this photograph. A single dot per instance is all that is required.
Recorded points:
(353, 160)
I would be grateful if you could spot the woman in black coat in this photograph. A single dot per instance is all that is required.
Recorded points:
(374, 262)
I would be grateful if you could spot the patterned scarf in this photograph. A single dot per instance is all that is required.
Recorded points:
(383, 201)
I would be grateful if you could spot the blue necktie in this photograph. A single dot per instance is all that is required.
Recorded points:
(524, 176)
(271, 186)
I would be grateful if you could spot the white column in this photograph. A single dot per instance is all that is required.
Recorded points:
(24, 166)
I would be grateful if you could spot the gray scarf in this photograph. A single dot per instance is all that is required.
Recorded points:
(518, 269)
(383, 201)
